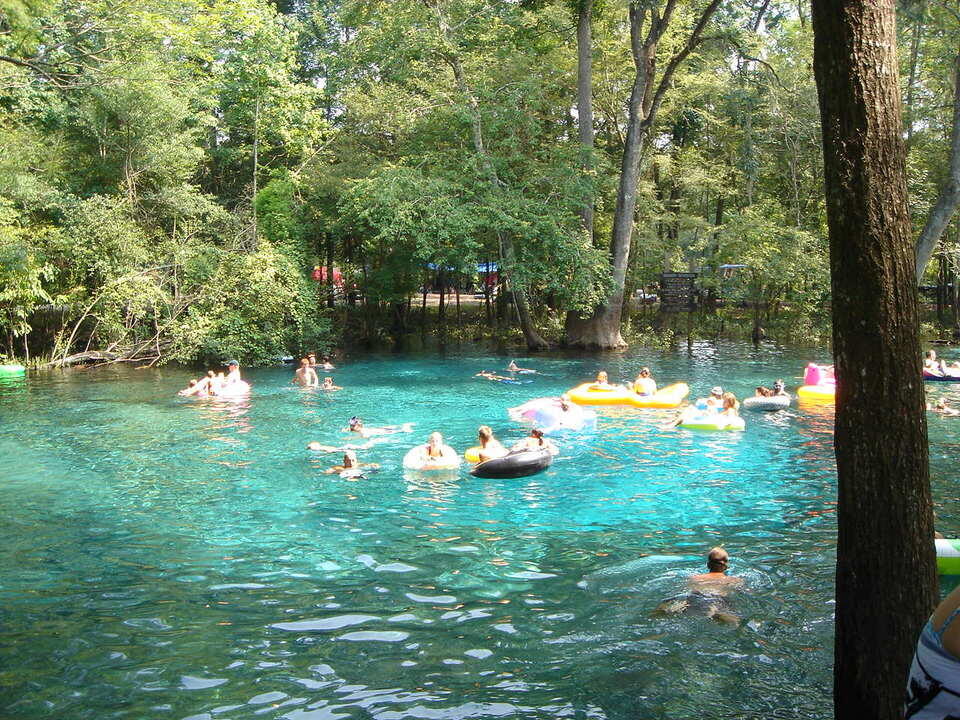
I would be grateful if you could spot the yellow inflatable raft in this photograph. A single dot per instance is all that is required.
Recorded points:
(668, 397)
(817, 393)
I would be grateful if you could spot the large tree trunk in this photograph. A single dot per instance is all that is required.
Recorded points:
(601, 330)
(886, 583)
(949, 196)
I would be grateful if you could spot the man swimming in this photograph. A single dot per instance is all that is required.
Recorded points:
(708, 592)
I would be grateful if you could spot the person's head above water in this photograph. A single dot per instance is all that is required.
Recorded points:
(644, 372)
(779, 385)
(729, 400)
(304, 362)
(718, 560)
(538, 435)
(717, 391)
(349, 459)
(353, 423)
(931, 355)
(484, 434)
(602, 376)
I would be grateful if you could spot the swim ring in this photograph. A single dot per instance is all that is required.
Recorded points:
(940, 378)
(515, 464)
(667, 397)
(711, 421)
(234, 390)
(472, 455)
(776, 402)
(12, 369)
(417, 459)
(948, 556)
(548, 414)
(817, 393)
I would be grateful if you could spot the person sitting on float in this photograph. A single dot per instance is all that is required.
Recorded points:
(602, 382)
(730, 407)
(350, 462)
(644, 384)
(779, 388)
(490, 447)
(534, 441)
(930, 364)
(436, 450)
(196, 387)
(715, 399)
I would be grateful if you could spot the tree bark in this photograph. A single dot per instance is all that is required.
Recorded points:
(601, 330)
(886, 583)
(949, 196)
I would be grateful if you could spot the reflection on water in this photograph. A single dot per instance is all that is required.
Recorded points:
(189, 558)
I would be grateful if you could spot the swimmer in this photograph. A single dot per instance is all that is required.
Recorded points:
(534, 441)
(942, 408)
(328, 384)
(233, 374)
(708, 592)
(305, 376)
(355, 425)
(196, 387)
(490, 447)
(514, 368)
(486, 374)
(350, 463)
(327, 365)
(644, 384)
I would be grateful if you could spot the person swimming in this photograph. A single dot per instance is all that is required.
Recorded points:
(355, 425)
(327, 384)
(487, 375)
(514, 368)
(351, 466)
(644, 384)
(708, 592)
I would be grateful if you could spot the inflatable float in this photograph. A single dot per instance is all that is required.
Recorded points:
(940, 378)
(515, 464)
(711, 421)
(817, 393)
(948, 556)
(549, 415)
(417, 459)
(770, 404)
(472, 455)
(234, 391)
(668, 397)
(12, 370)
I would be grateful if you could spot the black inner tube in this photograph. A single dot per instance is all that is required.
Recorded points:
(515, 464)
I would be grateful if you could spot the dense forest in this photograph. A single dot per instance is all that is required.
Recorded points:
(189, 180)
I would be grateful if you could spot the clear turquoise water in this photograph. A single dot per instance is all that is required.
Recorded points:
(171, 558)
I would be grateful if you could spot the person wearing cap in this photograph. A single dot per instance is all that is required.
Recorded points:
(233, 373)
(305, 376)
(715, 401)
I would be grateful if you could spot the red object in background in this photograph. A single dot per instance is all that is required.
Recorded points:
(491, 279)
(320, 275)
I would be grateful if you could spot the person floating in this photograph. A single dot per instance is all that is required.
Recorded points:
(351, 467)
(514, 368)
(708, 592)
(644, 384)
(933, 686)
(715, 399)
(305, 375)
(355, 425)
(730, 406)
(941, 407)
(487, 375)
(434, 455)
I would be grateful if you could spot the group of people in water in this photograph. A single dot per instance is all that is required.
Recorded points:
(306, 375)
(214, 383)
